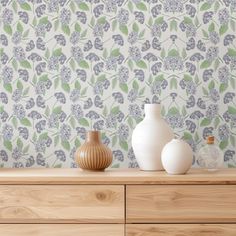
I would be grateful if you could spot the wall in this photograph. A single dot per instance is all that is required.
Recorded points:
(72, 65)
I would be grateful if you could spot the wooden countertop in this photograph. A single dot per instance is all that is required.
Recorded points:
(114, 176)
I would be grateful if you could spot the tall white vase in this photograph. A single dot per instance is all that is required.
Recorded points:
(149, 137)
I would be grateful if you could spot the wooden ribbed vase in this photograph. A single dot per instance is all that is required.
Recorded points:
(93, 154)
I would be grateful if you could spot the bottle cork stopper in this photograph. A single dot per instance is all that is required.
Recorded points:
(210, 139)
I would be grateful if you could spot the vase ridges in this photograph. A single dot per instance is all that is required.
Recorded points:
(93, 155)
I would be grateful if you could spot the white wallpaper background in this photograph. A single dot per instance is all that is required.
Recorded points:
(67, 66)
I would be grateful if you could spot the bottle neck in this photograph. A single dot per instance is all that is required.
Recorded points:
(93, 136)
(152, 111)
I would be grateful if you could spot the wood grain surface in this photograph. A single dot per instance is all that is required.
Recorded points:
(114, 176)
(62, 230)
(61, 204)
(181, 204)
(181, 230)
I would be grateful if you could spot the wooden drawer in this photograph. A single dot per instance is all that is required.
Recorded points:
(61, 230)
(181, 204)
(61, 204)
(181, 230)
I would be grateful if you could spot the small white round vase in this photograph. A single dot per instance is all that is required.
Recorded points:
(177, 157)
(149, 137)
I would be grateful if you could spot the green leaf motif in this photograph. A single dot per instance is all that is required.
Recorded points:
(159, 20)
(56, 140)
(205, 6)
(135, 27)
(66, 29)
(141, 6)
(124, 145)
(19, 27)
(223, 87)
(233, 25)
(101, 20)
(188, 77)
(223, 29)
(83, 122)
(25, 6)
(130, 6)
(211, 27)
(19, 85)
(135, 85)
(56, 24)
(43, 20)
(66, 145)
(57, 52)
(8, 145)
(131, 64)
(187, 136)
(211, 85)
(83, 6)
(124, 29)
(173, 111)
(26, 33)
(72, 122)
(19, 143)
(8, 87)
(141, 64)
(57, 166)
(14, 122)
(217, 6)
(142, 33)
(173, 25)
(84, 64)
(124, 88)
(223, 144)
(25, 122)
(8, 29)
(115, 52)
(56, 110)
(115, 110)
(173, 53)
(117, 165)
(114, 140)
(77, 27)
(114, 25)
(205, 122)
(14, 6)
(43, 78)
(216, 122)
(232, 110)
(25, 64)
(188, 20)
(232, 140)
(205, 64)
(77, 142)
(231, 52)
(173, 83)
(205, 33)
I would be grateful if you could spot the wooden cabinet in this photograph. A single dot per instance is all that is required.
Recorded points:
(64, 202)
(181, 204)
(181, 230)
(62, 230)
(61, 204)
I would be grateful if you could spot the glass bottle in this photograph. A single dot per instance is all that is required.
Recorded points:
(210, 156)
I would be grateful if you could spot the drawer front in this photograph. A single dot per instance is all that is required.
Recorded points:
(181, 204)
(61, 204)
(61, 230)
(181, 230)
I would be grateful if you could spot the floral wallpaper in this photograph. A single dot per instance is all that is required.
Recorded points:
(67, 66)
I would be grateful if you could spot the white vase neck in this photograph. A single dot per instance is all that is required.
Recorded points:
(152, 111)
